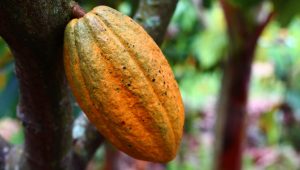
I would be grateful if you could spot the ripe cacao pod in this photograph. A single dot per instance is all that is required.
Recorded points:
(124, 84)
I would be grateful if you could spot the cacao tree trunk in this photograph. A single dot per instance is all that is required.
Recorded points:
(232, 105)
(34, 32)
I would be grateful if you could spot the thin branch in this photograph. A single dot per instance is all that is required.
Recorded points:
(201, 15)
(86, 140)
(261, 26)
(4, 150)
(154, 16)
(77, 11)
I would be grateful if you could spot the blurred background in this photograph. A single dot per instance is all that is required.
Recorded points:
(196, 44)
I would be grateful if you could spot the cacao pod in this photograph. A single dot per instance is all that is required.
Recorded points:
(124, 84)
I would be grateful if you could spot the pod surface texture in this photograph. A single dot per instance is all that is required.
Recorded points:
(124, 84)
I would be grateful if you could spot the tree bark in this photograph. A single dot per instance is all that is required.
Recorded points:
(85, 144)
(232, 107)
(34, 32)
(4, 150)
(155, 16)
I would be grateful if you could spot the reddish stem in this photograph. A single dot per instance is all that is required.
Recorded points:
(77, 11)
(232, 107)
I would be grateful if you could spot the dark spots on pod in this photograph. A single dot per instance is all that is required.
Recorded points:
(106, 58)
(94, 88)
(129, 145)
(123, 123)
(164, 82)
(165, 93)
(161, 129)
(159, 71)
(117, 89)
(132, 45)
(129, 84)
(124, 68)
(153, 80)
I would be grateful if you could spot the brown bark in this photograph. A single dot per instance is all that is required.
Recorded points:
(4, 150)
(34, 32)
(85, 145)
(155, 16)
(232, 107)
(117, 160)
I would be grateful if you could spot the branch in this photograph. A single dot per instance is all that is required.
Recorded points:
(154, 16)
(86, 140)
(232, 104)
(34, 31)
(4, 150)
(77, 11)
(261, 26)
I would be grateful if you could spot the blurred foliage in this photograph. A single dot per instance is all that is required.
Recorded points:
(195, 46)
(286, 10)
(269, 124)
(8, 82)
(245, 4)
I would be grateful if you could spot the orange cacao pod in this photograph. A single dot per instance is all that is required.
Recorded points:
(124, 84)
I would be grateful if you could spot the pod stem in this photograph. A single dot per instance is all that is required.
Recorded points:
(77, 10)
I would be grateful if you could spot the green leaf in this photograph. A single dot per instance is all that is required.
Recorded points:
(207, 3)
(245, 4)
(17, 138)
(286, 10)
(8, 92)
(269, 123)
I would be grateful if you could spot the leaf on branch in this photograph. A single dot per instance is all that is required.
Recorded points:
(286, 10)
(245, 4)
